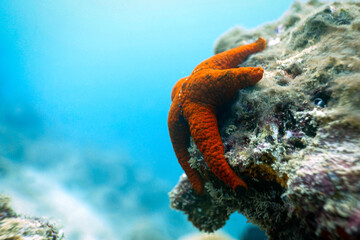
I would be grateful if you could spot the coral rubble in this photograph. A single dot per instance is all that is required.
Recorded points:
(14, 226)
(294, 137)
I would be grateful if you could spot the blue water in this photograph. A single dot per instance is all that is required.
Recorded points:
(100, 73)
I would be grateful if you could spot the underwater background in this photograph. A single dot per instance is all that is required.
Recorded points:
(84, 96)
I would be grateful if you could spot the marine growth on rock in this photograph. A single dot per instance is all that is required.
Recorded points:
(16, 227)
(294, 138)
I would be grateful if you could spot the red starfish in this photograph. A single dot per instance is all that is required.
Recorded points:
(193, 110)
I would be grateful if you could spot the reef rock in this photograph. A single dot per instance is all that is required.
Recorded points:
(16, 227)
(294, 137)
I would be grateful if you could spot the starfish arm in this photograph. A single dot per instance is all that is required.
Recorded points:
(195, 99)
(204, 130)
(216, 87)
(180, 138)
(233, 57)
(177, 87)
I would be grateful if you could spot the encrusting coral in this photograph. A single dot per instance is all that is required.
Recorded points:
(294, 137)
(195, 100)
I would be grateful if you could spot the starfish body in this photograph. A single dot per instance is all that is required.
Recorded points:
(195, 100)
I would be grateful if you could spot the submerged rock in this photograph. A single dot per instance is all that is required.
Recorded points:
(14, 226)
(294, 137)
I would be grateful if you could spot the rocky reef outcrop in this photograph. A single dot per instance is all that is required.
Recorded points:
(294, 137)
(16, 227)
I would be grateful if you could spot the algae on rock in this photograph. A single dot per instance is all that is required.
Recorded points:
(16, 227)
(295, 136)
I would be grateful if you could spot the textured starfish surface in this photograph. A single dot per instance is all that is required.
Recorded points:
(195, 100)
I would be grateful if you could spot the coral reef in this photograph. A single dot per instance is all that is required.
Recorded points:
(16, 227)
(294, 137)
